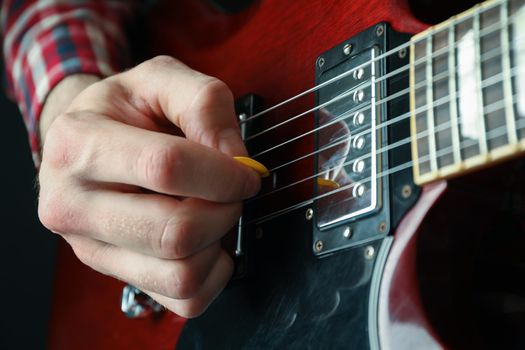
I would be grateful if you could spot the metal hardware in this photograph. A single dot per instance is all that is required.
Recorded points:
(347, 49)
(369, 252)
(359, 190)
(359, 119)
(359, 142)
(319, 246)
(320, 62)
(380, 30)
(359, 166)
(137, 304)
(406, 191)
(309, 214)
(347, 233)
(366, 110)
(242, 117)
(382, 227)
(245, 107)
(358, 74)
(402, 53)
(359, 95)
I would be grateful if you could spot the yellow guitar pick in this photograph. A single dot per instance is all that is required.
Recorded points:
(255, 165)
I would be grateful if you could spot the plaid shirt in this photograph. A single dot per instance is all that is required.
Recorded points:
(46, 40)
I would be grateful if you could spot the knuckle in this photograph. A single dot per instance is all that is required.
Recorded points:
(157, 165)
(176, 239)
(54, 213)
(60, 149)
(88, 255)
(181, 282)
(213, 92)
(160, 61)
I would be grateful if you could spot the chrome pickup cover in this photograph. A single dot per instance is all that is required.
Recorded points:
(348, 143)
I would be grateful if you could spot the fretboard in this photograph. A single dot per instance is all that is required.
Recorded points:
(467, 84)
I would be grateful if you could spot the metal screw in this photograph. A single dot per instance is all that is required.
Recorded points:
(358, 166)
(319, 246)
(380, 30)
(359, 119)
(359, 95)
(402, 53)
(382, 226)
(406, 191)
(309, 214)
(358, 74)
(369, 252)
(320, 62)
(259, 233)
(358, 190)
(347, 49)
(347, 233)
(242, 117)
(359, 142)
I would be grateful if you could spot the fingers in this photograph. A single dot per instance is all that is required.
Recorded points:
(195, 306)
(196, 279)
(150, 224)
(200, 105)
(111, 152)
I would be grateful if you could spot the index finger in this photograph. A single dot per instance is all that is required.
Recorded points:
(200, 105)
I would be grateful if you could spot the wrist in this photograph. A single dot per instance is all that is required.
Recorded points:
(60, 98)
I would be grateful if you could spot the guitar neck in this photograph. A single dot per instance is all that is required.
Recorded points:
(467, 91)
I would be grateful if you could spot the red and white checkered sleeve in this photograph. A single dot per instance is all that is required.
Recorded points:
(45, 41)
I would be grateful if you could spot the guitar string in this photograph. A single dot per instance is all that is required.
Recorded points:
(495, 79)
(383, 125)
(485, 57)
(483, 32)
(453, 22)
(442, 127)
(500, 131)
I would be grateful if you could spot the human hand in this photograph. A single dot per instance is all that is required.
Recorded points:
(138, 177)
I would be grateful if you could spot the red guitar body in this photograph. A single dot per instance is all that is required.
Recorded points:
(270, 49)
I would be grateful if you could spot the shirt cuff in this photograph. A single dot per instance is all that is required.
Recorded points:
(48, 43)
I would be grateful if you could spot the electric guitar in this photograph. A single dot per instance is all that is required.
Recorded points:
(376, 227)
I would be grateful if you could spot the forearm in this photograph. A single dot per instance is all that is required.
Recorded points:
(60, 97)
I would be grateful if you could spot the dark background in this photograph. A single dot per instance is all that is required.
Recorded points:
(27, 253)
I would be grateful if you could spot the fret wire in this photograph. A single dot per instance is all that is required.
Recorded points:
(453, 107)
(483, 145)
(507, 82)
(430, 111)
